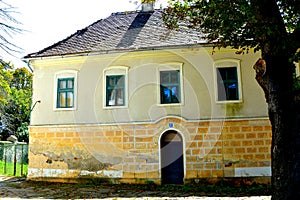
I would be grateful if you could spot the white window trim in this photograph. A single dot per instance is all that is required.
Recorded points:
(224, 63)
(167, 67)
(65, 74)
(114, 71)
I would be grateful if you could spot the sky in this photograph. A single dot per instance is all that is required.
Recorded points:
(46, 22)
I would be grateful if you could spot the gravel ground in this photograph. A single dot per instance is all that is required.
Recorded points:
(18, 188)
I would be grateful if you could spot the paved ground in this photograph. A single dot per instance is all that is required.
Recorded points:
(16, 188)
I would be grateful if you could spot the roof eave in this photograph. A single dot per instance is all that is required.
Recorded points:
(112, 51)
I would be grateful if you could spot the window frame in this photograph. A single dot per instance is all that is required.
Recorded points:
(66, 74)
(170, 66)
(65, 91)
(228, 63)
(115, 71)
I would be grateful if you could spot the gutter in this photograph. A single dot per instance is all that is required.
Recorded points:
(204, 44)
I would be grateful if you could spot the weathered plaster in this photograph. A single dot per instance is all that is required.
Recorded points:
(252, 171)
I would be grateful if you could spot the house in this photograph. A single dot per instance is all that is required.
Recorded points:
(128, 100)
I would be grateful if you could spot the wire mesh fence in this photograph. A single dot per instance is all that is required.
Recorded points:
(13, 158)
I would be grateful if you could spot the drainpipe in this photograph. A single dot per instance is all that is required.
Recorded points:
(28, 65)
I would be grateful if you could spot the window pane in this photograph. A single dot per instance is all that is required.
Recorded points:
(120, 81)
(231, 73)
(110, 81)
(70, 83)
(70, 99)
(232, 92)
(164, 77)
(111, 97)
(175, 94)
(165, 95)
(174, 77)
(120, 97)
(62, 100)
(62, 84)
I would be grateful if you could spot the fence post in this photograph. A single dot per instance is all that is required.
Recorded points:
(3, 154)
(15, 159)
(22, 154)
(4, 158)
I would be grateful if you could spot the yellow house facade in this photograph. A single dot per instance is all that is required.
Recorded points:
(128, 100)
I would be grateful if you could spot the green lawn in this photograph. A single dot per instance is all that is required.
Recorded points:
(8, 170)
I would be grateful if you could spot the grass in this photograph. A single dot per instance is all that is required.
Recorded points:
(8, 169)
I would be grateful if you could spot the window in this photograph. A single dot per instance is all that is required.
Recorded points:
(115, 87)
(170, 85)
(228, 84)
(115, 90)
(65, 90)
(65, 93)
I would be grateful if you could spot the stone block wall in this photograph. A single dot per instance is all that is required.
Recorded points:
(131, 152)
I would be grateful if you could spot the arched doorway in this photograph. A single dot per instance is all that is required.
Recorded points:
(171, 151)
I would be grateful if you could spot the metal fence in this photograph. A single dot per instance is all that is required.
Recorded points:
(13, 158)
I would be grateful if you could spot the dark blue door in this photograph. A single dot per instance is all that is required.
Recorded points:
(172, 158)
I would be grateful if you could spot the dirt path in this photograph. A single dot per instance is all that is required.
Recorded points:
(18, 188)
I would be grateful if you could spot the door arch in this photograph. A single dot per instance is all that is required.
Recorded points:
(172, 164)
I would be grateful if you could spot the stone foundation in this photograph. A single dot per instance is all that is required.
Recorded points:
(130, 153)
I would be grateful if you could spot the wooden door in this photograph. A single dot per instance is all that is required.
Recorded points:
(172, 158)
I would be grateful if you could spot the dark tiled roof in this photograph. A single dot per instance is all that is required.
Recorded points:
(123, 32)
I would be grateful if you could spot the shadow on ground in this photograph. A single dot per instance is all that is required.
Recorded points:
(20, 188)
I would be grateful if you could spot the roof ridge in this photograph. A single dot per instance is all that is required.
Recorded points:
(135, 12)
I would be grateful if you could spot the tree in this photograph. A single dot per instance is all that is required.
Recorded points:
(272, 27)
(5, 91)
(15, 112)
(5, 76)
(8, 27)
(15, 85)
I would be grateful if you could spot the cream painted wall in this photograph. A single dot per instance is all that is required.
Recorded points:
(143, 94)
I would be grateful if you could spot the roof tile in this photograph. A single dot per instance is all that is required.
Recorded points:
(123, 31)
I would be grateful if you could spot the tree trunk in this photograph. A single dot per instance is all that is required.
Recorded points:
(283, 113)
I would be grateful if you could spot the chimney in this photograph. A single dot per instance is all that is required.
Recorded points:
(147, 6)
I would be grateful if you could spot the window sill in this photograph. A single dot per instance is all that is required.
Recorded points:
(114, 107)
(64, 109)
(170, 104)
(229, 101)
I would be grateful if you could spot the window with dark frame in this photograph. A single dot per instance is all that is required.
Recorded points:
(170, 87)
(65, 93)
(227, 83)
(115, 90)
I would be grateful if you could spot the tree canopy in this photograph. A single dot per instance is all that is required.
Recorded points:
(15, 84)
(16, 87)
(240, 23)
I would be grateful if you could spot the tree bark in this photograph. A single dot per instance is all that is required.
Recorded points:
(283, 110)
(279, 115)
(284, 117)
